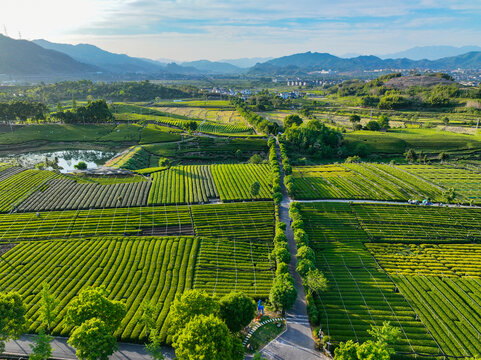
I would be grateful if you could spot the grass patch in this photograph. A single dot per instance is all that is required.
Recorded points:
(264, 335)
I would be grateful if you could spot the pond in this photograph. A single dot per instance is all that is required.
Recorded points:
(66, 158)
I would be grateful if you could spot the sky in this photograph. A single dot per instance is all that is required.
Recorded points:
(186, 30)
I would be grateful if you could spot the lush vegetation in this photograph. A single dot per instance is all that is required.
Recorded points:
(162, 269)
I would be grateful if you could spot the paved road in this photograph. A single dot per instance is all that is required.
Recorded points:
(296, 343)
(65, 351)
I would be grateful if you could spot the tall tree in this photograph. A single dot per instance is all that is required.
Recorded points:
(48, 307)
(93, 340)
(206, 337)
(12, 317)
(92, 302)
(237, 310)
(185, 307)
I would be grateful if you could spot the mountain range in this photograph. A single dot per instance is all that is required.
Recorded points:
(311, 62)
(43, 58)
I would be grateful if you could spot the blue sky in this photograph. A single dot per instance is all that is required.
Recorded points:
(215, 29)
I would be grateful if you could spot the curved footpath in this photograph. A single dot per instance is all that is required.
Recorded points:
(296, 342)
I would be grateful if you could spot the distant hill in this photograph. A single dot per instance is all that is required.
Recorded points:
(431, 52)
(107, 61)
(214, 67)
(245, 63)
(310, 62)
(22, 57)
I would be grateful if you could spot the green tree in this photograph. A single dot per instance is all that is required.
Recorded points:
(255, 159)
(185, 307)
(205, 337)
(92, 302)
(41, 349)
(283, 293)
(377, 349)
(237, 310)
(384, 121)
(373, 126)
(93, 340)
(443, 156)
(410, 155)
(48, 305)
(12, 317)
(292, 119)
(80, 166)
(255, 188)
(315, 281)
(449, 195)
(446, 121)
(190, 126)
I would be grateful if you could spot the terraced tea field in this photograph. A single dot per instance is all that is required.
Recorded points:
(62, 194)
(199, 183)
(466, 183)
(227, 248)
(415, 266)
(360, 181)
(132, 269)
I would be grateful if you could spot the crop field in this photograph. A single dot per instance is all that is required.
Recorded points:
(225, 265)
(234, 181)
(234, 252)
(189, 184)
(115, 248)
(231, 117)
(396, 141)
(415, 224)
(424, 276)
(466, 183)
(183, 185)
(62, 194)
(246, 221)
(133, 270)
(360, 181)
(100, 222)
(204, 149)
(450, 308)
(16, 186)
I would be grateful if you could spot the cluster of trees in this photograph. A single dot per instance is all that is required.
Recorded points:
(312, 278)
(283, 292)
(379, 348)
(375, 93)
(256, 121)
(94, 112)
(264, 100)
(22, 110)
(381, 124)
(116, 91)
(203, 328)
(313, 138)
(276, 171)
(94, 319)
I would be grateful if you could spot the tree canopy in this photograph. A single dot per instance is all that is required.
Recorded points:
(92, 302)
(12, 317)
(237, 310)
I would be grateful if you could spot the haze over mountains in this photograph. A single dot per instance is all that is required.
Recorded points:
(41, 57)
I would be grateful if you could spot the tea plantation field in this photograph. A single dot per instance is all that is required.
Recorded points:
(416, 266)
